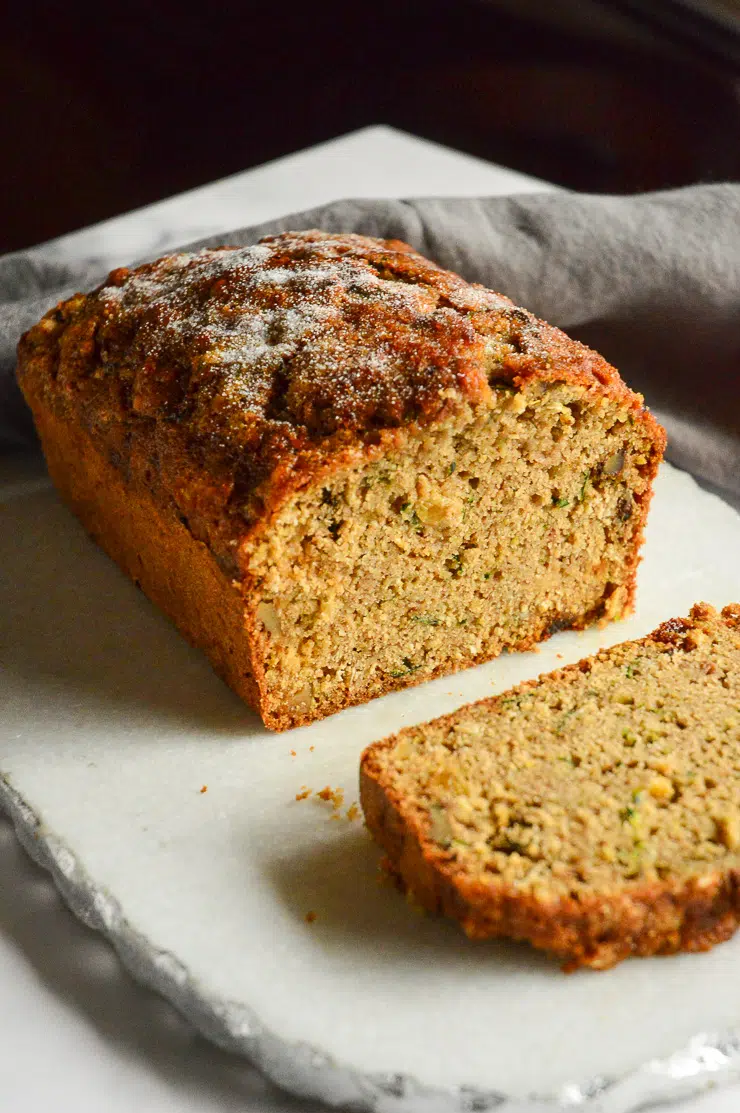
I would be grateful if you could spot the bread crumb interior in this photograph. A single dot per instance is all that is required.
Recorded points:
(512, 520)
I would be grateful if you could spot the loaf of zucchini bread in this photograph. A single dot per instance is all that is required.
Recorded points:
(338, 468)
(594, 812)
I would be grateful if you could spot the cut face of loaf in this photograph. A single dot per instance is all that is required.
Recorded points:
(338, 468)
(594, 812)
(513, 519)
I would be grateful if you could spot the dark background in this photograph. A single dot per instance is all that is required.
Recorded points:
(110, 106)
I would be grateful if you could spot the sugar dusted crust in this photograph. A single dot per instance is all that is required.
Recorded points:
(639, 916)
(246, 370)
(222, 390)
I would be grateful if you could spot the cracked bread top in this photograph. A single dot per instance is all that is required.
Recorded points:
(258, 362)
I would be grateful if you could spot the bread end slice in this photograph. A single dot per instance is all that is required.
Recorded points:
(594, 812)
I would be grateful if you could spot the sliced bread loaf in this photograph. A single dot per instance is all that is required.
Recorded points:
(339, 469)
(594, 812)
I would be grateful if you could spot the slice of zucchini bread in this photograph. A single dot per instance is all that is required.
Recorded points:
(594, 812)
(339, 468)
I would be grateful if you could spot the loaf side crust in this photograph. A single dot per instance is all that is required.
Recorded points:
(595, 930)
(153, 547)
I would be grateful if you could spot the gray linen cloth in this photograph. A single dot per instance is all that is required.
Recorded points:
(650, 281)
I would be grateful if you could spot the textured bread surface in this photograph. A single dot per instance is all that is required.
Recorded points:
(389, 473)
(594, 812)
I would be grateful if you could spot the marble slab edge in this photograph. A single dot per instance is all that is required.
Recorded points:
(708, 1059)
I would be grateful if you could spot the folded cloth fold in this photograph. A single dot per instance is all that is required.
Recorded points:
(651, 281)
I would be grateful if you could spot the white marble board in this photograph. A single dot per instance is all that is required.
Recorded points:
(111, 727)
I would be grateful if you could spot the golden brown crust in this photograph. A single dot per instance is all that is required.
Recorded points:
(230, 375)
(595, 930)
